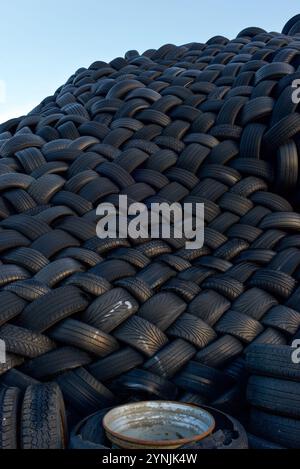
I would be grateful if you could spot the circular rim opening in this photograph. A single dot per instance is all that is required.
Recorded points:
(162, 442)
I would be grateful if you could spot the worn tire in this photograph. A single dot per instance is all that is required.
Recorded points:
(43, 420)
(281, 430)
(9, 408)
(272, 360)
(280, 397)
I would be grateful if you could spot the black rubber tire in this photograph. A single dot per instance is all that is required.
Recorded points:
(269, 336)
(90, 431)
(24, 342)
(43, 420)
(288, 26)
(91, 428)
(242, 271)
(9, 409)
(192, 329)
(239, 325)
(251, 32)
(281, 221)
(185, 289)
(293, 300)
(203, 380)
(286, 260)
(268, 240)
(11, 273)
(30, 227)
(227, 286)
(276, 282)
(257, 109)
(28, 290)
(57, 271)
(136, 287)
(254, 302)
(52, 243)
(231, 249)
(283, 318)
(56, 305)
(295, 29)
(142, 335)
(255, 442)
(232, 401)
(281, 430)
(273, 360)
(162, 309)
(209, 306)
(156, 274)
(87, 257)
(251, 141)
(20, 142)
(84, 392)
(26, 257)
(273, 71)
(220, 352)
(85, 337)
(12, 306)
(281, 132)
(280, 397)
(287, 166)
(76, 442)
(90, 283)
(16, 379)
(11, 239)
(110, 309)
(55, 362)
(272, 201)
(115, 364)
(254, 216)
(144, 385)
(170, 359)
(213, 262)
(237, 370)
(113, 269)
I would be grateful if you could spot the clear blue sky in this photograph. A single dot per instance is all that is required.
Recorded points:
(44, 41)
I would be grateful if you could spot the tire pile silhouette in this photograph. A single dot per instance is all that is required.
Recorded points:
(119, 319)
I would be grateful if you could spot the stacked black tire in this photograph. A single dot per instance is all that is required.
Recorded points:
(116, 319)
(32, 420)
(274, 394)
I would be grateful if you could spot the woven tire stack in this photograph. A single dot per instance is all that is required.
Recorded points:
(274, 394)
(113, 320)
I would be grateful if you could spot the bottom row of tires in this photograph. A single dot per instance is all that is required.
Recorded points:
(33, 416)
(273, 392)
(273, 431)
(36, 420)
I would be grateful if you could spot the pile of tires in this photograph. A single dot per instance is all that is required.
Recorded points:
(110, 320)
(274, 393)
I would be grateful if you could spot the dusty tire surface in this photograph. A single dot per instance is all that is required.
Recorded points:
(43, 420)
(273, 360)
(9, 408)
